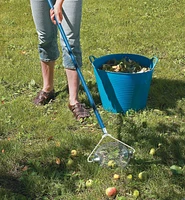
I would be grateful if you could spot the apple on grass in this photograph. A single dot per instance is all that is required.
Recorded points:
(129, 177)
(142, 175)
(111, 163)
(89, 183)
(74, 153)
(135, 193)
(70, 162)
(116, 176)
(152, 151)
(111, 191)
(159, 145)
(176, 169)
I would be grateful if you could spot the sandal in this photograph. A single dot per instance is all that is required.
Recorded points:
(43, 98)
(79, 111)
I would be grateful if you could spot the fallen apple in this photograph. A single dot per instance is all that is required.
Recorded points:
(142, 175)
(74, 153)
(159, 145)
(89, 183)
(129, 177)
(116, 176)
(58, 161)
(111, 191)
(135, 193)
(176, 169)
(152, 151)
(69, 162)
(111, 163)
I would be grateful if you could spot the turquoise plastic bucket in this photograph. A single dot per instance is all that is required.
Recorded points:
(120, 92)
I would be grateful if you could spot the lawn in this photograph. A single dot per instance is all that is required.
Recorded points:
(36, 142)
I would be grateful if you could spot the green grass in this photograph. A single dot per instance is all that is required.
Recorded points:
(31, 138)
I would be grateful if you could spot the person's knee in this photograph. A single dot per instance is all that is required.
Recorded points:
(48, 50)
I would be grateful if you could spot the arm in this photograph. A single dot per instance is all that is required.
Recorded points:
(57, 11)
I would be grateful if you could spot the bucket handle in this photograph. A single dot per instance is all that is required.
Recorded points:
(154, 60)
(92, 58)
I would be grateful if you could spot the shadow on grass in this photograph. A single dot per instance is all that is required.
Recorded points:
(165, 93)
(171, 152)
(92, 87)
(170, 136)
(13, 185)
(44, 177)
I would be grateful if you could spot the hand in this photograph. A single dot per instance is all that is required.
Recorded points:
(57, 12)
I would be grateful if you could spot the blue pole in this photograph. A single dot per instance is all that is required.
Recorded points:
(92, 103)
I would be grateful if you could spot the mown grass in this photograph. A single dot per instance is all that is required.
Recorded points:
(36, 142)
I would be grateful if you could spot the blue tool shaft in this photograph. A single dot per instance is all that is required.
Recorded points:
(92, 103)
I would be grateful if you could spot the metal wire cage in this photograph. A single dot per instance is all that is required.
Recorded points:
(114, 153)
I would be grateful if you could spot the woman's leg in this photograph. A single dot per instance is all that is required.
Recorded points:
(73, 85)
(48, 75)
(48, 49)
(72, 12)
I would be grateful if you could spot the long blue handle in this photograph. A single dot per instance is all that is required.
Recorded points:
(100, 121)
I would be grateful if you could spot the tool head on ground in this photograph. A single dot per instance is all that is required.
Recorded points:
(114, 153)
(102, 152)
